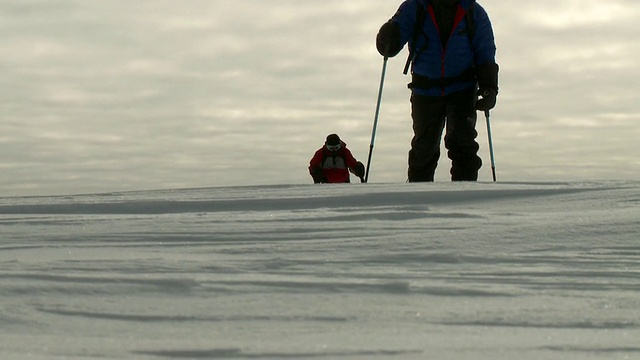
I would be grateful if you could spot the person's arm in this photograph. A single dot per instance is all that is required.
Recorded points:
(315, 167)
(396, 32)
(485, 60)
(355, 166)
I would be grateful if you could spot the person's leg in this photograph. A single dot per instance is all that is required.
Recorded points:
(428, 114)
(461, 134)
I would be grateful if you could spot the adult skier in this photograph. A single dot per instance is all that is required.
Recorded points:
(452, 55)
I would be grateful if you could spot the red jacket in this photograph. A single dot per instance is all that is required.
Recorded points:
(335, 166)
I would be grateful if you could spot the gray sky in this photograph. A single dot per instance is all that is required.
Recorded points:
(113, 95)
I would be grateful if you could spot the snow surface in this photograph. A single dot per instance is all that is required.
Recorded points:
(360, 271)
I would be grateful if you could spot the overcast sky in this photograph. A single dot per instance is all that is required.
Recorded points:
(115, 95)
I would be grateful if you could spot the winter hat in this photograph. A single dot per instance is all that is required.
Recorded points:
(333, 140)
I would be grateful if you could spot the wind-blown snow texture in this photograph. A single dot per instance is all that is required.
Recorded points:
(403, 271)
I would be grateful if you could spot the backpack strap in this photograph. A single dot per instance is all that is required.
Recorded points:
(471, 24)
(423, 82)
(418, 29)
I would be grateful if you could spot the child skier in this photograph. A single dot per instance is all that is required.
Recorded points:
(333, 162)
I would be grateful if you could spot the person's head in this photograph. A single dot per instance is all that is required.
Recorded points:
(333, 143)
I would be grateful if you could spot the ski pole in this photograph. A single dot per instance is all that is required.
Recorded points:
(375, 120)
(493, 159)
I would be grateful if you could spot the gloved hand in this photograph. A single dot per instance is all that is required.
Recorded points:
(316, 174)
(388, 39)
(488, 84)
(488, 101)
(359, 170)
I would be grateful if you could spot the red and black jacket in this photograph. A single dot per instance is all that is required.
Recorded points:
(332, 166)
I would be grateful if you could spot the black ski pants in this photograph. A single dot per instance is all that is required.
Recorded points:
(431, 116)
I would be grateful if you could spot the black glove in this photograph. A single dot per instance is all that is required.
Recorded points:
(488, 101)
(388, 39)
(488, 84)
(358, 170)
(316, 174)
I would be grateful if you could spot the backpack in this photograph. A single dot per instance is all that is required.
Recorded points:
(418, 30)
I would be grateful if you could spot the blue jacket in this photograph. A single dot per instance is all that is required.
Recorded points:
(436, 61)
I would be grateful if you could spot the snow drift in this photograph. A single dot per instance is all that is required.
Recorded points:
(360, 271)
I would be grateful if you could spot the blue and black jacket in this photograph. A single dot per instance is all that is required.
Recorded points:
(441, 69)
